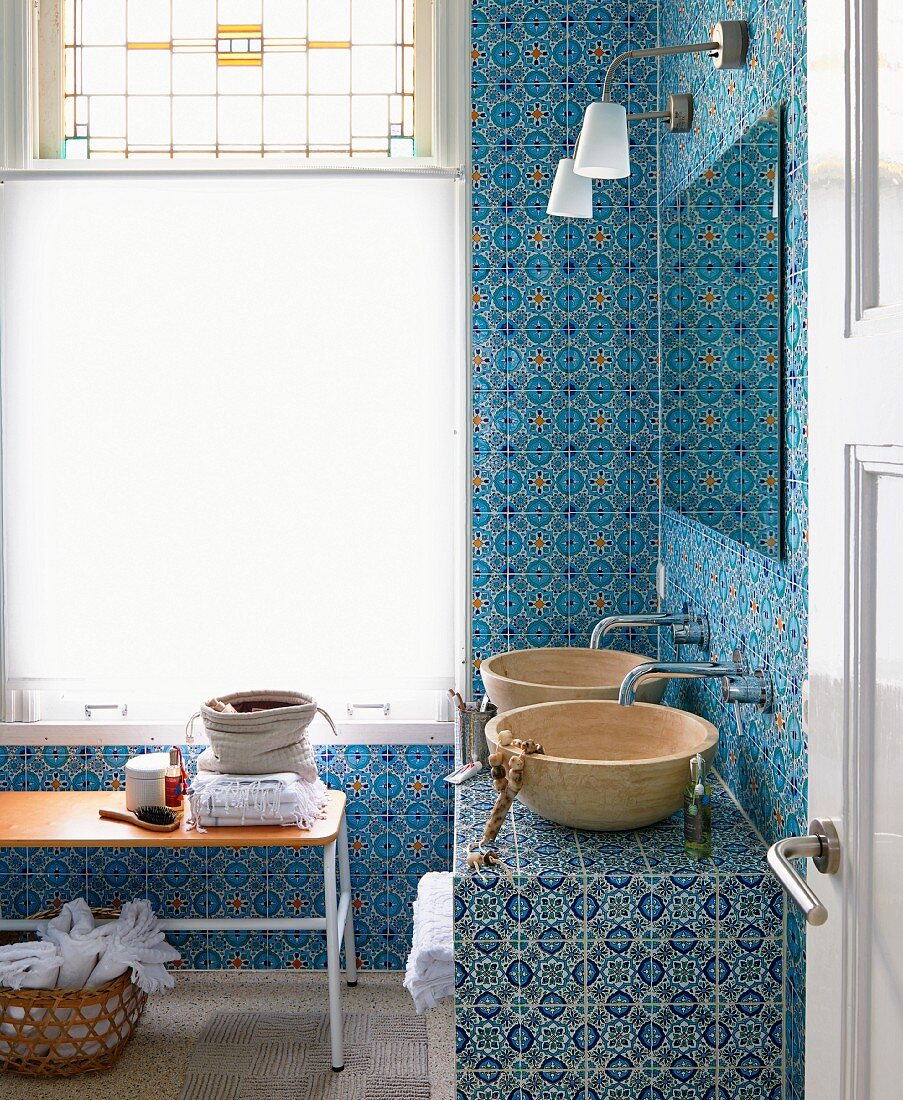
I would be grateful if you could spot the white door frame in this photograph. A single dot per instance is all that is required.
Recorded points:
(856, 432)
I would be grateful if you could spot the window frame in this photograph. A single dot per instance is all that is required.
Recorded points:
(20, 129)
(349, 732)
(450, 157)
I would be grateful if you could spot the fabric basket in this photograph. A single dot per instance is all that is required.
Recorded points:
(267, 734)
(61, 1032)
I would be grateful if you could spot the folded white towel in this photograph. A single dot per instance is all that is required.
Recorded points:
(79, 939)
(252, 793)
(136, 941)
(430, 973)
(281, 798)
(30, 965)
(281, 780)
(232, 821)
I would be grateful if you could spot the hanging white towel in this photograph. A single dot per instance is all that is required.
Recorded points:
(430, 974)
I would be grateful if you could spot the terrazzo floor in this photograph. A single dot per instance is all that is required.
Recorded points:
(153, 1064)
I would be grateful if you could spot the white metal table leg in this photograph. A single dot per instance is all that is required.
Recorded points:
(345, 887)
(333, 962)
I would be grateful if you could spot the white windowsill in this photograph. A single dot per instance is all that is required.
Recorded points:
(200, 168)
(173, 733)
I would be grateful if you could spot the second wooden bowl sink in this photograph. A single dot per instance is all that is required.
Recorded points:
(606, 767)
(524, 677)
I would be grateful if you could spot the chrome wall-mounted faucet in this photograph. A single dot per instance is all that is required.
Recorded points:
(739, 685)
(686, 629)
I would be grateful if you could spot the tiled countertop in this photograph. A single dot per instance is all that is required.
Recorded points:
(530, 845)
(610, 964)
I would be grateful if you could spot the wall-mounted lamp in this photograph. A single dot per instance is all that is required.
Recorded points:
(603, 144)
(571, 195)
(603, 151)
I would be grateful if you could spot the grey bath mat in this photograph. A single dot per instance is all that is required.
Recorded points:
(286, 1056)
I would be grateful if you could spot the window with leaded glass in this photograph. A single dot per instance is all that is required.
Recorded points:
(318, 79)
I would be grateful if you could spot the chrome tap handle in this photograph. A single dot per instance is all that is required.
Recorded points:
(610, 622)
(707, 669)
(752, 687)
(748, 687)
(822, 846)
(691, 632)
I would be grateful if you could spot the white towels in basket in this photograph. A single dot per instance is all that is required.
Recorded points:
(81, 943)
(73, 952)
(281, 798)
(430, 974)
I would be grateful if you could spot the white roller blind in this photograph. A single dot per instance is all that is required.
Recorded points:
(228, 432)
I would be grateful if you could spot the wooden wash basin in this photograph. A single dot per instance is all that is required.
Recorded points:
(606, 767)
(523, 677)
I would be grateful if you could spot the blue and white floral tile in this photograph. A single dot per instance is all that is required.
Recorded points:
(682, 901)
(757, 971)
(746, 899)
(636, 968)
(13, 878)
(225, 864)
(55, 861)
(683, 1042)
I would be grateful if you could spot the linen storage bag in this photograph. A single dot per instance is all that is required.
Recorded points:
(266, 733)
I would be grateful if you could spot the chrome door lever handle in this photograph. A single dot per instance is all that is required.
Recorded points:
(822, 846)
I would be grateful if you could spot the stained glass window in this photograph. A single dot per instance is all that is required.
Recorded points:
(230, 78)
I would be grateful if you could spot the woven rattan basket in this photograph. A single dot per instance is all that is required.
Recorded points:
(61, 1032)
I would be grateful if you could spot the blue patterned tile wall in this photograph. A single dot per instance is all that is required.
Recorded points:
(399, 823)
(608, 965)
(565, 436)
(761, 603)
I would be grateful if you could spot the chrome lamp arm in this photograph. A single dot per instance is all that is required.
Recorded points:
(728, 47)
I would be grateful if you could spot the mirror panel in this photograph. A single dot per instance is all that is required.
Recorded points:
(721, 342)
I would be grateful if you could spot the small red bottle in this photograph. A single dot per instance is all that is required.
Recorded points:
(174, 779)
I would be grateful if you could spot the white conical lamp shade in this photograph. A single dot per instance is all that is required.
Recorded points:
(602, 152)
(572, 196)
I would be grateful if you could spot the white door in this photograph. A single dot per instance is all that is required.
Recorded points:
(854, 994)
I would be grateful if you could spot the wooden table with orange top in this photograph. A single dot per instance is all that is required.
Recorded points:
(70, 819)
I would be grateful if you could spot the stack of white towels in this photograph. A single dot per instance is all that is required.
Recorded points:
(430, 974)
(74, 952)
(280, 798)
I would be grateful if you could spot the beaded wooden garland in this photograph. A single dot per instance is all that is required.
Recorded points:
(508, 782)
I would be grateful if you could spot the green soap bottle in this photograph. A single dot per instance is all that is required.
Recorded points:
(698, 811)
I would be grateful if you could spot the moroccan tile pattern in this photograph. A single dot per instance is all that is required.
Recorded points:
(752, 600)
(399, 822)
(610, 965)
(565, 429)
